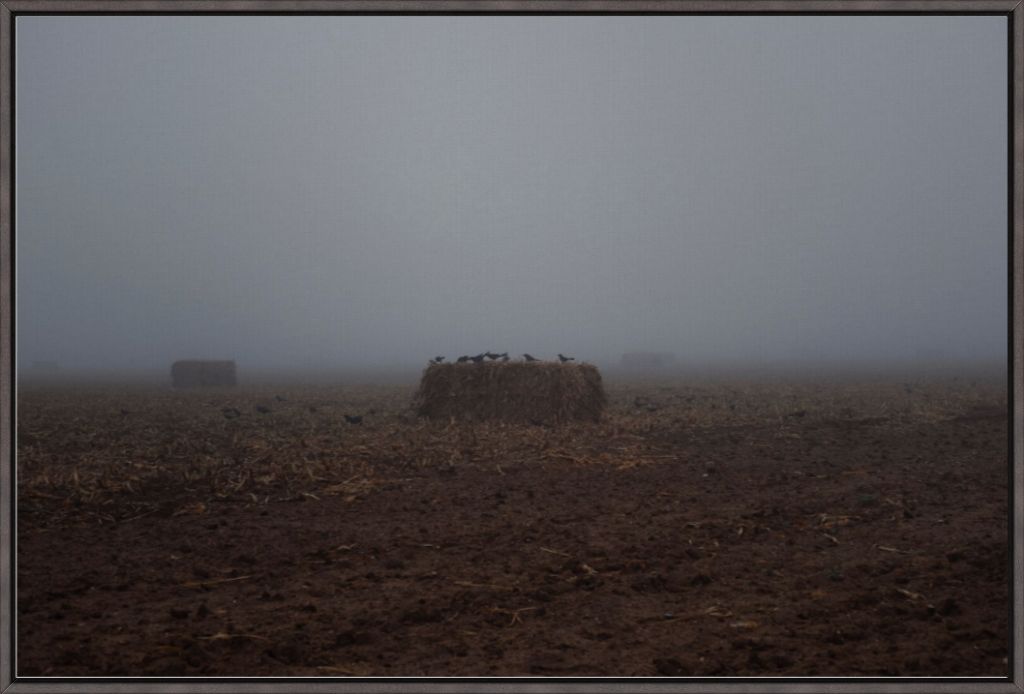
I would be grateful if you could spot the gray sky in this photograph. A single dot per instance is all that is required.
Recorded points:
(320, 191)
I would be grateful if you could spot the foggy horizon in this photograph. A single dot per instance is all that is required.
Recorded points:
(332, 192)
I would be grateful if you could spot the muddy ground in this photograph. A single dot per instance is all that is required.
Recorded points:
(843, 528)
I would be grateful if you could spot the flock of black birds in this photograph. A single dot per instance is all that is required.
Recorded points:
(479, 358)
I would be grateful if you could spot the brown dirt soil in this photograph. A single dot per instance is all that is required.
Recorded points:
(720, 529)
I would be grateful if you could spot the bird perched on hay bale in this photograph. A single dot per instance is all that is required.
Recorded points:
(562, 358)
(518, 392)
(529, 357)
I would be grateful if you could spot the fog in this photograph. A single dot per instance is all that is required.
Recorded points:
(320, 192)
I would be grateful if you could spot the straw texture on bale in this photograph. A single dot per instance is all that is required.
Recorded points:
(547, 392)
(199, 373)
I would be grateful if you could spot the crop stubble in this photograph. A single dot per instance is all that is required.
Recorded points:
(716, 528)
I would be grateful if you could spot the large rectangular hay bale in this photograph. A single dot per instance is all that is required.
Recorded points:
(202, 373)
(522, 392)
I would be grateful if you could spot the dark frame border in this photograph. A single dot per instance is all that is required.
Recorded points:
(1013, 10)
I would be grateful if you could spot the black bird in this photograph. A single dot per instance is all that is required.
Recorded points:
(477, 359)
(562, 358)
(437, 360)
(262, 409)
(527, 357)
(354, 418)
(462, 360)
(491, 355)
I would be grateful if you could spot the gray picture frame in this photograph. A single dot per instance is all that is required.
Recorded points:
(1013, 10)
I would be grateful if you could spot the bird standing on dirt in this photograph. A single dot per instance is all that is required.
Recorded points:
(528, 357)
(562, 358)
(354, 418)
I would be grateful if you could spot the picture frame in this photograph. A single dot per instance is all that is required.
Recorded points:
(11, 10)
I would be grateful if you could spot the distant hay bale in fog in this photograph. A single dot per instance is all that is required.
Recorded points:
(647, 360)
(198, 373)
(518, 392)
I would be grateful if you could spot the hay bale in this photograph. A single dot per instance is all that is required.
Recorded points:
(200, 373)
(521, 392)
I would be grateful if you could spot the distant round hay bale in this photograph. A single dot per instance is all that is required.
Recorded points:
(201, 373)
(520, 392)
(648, 360)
